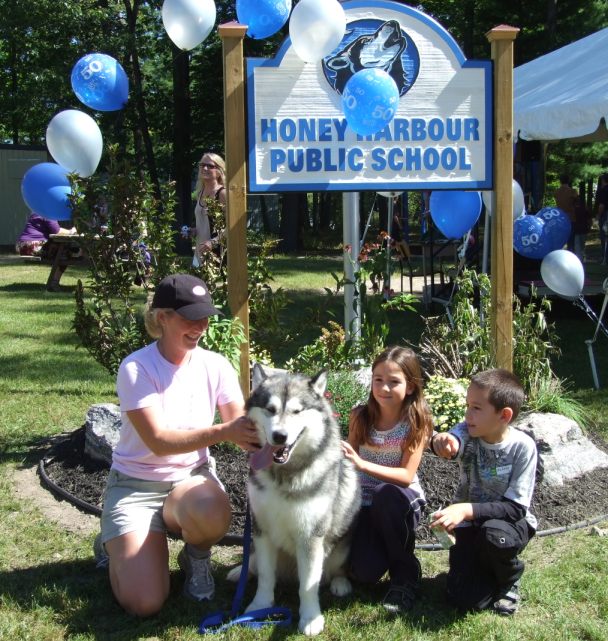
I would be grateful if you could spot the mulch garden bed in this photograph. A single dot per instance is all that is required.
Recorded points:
(586, 497)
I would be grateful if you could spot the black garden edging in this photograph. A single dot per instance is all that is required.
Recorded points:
(234, 538)
(85, 506)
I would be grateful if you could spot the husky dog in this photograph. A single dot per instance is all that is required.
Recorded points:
(303, 493)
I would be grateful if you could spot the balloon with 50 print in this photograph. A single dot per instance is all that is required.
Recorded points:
(455, 212)
(100, 82)
(188, 22)
(557, 227)
(262, 17)
(370, 100)
(316, 28)
(45, 188)
(75, 142)
(528, 240)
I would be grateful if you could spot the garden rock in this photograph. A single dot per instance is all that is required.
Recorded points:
(102, 428)
(363, 376)
(564, 451)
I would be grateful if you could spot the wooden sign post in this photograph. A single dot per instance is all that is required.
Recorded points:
(232, 35)
(501, 39)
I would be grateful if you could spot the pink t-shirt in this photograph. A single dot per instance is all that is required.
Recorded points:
(187, 396)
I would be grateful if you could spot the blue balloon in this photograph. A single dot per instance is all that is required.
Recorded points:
(45, 189)
(100, 82)
(262, 17)
(369, 101)
(528, 237)
(557, 228)
(455, 212)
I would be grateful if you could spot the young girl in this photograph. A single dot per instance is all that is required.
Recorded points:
(385, 442)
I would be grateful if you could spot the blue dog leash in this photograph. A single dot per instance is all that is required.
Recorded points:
(219, 621)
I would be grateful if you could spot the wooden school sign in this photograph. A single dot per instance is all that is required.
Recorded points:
(441, 134)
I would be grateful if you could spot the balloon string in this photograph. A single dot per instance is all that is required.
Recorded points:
(582, 304)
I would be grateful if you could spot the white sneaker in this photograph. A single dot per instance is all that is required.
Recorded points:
(199, 584)
(102, 560)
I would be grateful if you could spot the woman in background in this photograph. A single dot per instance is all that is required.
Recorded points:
(210, 184)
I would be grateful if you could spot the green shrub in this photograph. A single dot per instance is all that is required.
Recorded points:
(329, 351)
(460, 345)
(447, 399)
(225, 336)
(344, 392)
(120, 219)
(550, 395)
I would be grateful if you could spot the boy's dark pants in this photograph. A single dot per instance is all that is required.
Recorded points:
(385, 537)
(484, 563)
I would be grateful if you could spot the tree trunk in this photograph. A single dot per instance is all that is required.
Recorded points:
(325, 211)
(291, 215)
(181, 142)
(132, 11)
(14, 89)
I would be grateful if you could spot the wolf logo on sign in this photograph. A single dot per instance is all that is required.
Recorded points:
(373, 44)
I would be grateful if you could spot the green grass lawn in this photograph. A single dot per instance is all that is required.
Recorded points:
(50, 590)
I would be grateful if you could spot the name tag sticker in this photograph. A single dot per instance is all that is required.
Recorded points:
(503, 470)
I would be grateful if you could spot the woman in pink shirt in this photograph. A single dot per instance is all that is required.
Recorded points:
(162, 477)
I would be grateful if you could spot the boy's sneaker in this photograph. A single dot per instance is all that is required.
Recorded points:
(102, 560)
(399, 598)
(199, 584)
(508, 603)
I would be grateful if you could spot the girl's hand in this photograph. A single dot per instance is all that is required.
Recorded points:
(445, 445)
(350, 453)
(452, 515)
(205, 246)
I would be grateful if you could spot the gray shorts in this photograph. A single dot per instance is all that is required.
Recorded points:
(131, 504)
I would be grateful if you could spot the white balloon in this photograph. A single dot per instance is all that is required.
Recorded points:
(316, 28)
(390, 194)
(188, 22)
(74, 140)
(519, 204)
(563, 272)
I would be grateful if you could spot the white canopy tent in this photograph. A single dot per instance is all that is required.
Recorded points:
(564, 94)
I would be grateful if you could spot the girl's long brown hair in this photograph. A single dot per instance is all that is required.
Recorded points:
(414, 411)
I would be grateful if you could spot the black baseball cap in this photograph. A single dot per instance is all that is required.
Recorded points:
(186, 294)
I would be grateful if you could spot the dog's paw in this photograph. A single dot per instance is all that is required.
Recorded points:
(340, 586)
(311, 626)
(235, 574)
(259, 604)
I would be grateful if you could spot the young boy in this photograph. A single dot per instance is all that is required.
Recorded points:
(489, 516)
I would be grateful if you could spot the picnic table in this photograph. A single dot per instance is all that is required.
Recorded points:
(62, 250)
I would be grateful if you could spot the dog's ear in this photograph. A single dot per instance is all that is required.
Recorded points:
(258, 375)
(319, 382)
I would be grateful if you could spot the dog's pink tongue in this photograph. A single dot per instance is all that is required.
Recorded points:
(262, 458)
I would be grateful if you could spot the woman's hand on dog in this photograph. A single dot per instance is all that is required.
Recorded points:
(242, 432)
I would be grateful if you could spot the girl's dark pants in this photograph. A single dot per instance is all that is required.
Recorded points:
(484, 564)
(385, 537)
